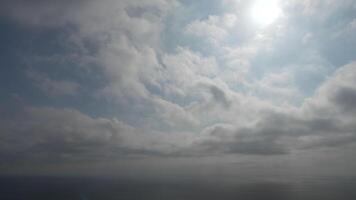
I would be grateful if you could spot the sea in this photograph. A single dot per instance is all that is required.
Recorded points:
(94, 188)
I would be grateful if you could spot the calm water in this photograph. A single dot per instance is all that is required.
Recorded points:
(305, 188)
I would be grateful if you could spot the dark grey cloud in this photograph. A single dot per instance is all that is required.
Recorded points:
(39, 12)
(345, 97)
(53, 87)
(219, 96)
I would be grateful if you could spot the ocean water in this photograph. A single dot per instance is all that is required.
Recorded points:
(54, 188)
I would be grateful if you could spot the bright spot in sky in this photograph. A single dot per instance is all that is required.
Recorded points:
(265, 12)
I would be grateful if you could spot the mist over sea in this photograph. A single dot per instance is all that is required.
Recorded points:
(80, 188)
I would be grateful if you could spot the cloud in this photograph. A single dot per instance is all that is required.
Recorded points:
(336, 94)
(219, 91)
(47, 134)
(39, 12)
(215, 28)
(224, 139)
(277, 87)
(53, 87)
(325, 120)
(219, 96)
(180, 101)
(183, 69)
(311, 8)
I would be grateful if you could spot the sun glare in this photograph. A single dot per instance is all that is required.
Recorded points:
(265, 12)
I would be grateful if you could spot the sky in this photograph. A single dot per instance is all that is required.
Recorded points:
(162, 87)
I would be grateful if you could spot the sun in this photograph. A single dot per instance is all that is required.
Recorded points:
(265, 12)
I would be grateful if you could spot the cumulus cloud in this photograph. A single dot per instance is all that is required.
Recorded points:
(325, 120)
(180, 100)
